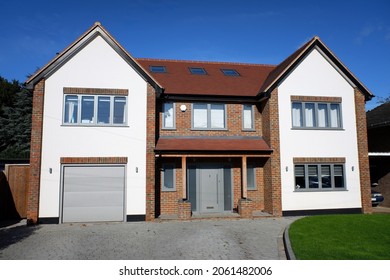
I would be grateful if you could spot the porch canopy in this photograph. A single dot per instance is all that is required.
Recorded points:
(212, 146)
(185, 147)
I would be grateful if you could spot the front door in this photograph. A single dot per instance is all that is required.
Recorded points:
(211, 189)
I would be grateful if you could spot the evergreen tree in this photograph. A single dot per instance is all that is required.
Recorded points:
(15, 120)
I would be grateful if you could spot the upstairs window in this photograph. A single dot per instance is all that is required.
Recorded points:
(208, 116)
(94, 110)
(197, 71)
(247, 117)
(230, 72)
(316, 115)
(169, 115)
(157, 69)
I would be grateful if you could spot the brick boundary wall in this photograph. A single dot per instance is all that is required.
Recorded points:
(35, 153)
(364, 166)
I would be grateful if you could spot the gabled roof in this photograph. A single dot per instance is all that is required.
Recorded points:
(284, 68)
(96, 30)
(178, 79)
(379, 116)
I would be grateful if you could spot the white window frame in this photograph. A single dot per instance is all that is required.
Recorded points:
(319, 175)
(316, 124)
(174, 115)
(252, 118)
(164, 167)
(209, 121)
(94, 121)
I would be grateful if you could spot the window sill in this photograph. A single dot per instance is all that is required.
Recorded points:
(248, 130)
(209, 129)
(318, 128)
(320, 190)
(168, 128)
(93, 125)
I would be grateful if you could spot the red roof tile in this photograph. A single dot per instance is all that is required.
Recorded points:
(212, 144)
(178, 79)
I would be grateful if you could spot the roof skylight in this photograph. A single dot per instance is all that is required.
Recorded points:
(157, 69)
(230, 72)
(197, 71)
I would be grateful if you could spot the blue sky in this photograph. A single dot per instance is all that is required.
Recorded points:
(358, 32)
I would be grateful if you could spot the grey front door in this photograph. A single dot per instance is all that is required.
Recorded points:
(211, 189)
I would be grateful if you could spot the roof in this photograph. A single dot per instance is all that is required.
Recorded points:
(212, 144)
(178, 79)
(379, 116)
(96, 30)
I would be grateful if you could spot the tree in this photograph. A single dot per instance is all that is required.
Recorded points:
(15, 120)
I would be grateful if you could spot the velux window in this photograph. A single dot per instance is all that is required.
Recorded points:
(316, 115)
(94, 110)
(208, 116)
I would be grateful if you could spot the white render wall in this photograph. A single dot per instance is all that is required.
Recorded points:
(315, 76)
(95, 66)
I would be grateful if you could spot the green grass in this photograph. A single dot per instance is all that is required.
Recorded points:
(341, 237)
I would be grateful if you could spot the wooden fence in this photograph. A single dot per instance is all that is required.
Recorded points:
(13, 190)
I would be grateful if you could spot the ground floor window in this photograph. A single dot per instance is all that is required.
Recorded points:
(319, 177)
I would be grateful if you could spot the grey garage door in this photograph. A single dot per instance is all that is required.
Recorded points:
(93, 193)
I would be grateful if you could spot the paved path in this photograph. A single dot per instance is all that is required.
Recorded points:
(198, 240)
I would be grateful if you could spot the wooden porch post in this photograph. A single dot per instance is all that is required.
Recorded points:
(244, 178)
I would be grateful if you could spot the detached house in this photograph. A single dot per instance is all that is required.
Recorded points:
(117, 138)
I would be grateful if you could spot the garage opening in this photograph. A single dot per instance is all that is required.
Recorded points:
(93, 193)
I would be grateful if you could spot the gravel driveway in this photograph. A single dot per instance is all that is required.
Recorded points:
(257, 239)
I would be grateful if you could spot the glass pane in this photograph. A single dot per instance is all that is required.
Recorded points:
(71, 109)
(326, 181)
(247, 115)
(309, 115)
(168, 115)
(119, 110)
(297, 114)
(200, 115)
(300, 182)
(168, 177)
(313, 176)
(323, 115)
(338, 176)
(335, 115)
(217, 116)
(197, 71)
(104, 109)
(87, 109)
(227, 188)
(250, 172)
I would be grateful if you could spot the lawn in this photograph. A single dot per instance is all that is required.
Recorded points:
(341, 237)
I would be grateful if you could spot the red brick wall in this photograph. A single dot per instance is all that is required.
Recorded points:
(35, 153)
(234, 122)
(272, 176)
(150, 156)
(364, 167)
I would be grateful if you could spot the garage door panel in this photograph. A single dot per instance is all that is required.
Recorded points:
(93, 193)
(94, 199)
(92, 214)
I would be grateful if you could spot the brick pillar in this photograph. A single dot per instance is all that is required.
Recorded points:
(150, 155)
(245, 208)
(184, 209)
(364, 166)
(272, 176)
(35, 153)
